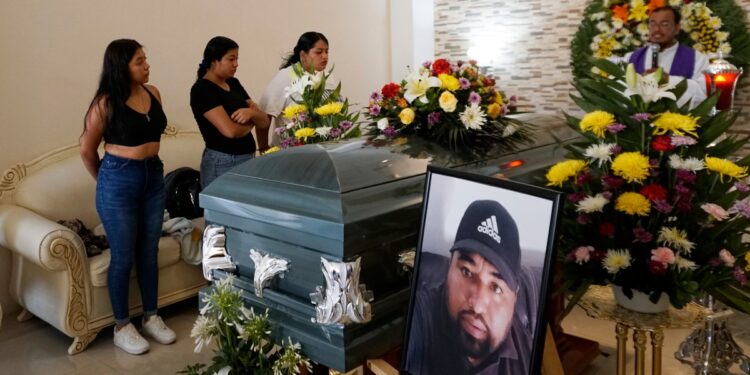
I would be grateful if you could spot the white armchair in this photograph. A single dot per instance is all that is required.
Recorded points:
(51, 276)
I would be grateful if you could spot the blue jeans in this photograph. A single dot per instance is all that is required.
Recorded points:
(130, 200)
(215, 163)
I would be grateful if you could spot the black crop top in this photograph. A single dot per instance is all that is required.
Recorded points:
(135, 128)
(205, 96)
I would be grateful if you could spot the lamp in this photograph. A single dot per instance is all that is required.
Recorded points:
(722, 75)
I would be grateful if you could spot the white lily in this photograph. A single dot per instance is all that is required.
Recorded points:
(647, 87)
(417, 85)
(316, 79)
(298, 86)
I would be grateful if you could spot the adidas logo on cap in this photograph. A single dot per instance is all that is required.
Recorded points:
(489, 227)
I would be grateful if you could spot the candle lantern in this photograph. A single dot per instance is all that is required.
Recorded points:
(721, 75)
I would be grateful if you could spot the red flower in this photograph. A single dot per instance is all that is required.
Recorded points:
(607, 229)
(662, 143)
(657, 268)
(390, 90)
(654, 192)
(488, 82)
(441, 66)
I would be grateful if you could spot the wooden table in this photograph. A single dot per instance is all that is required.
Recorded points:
(599, 303)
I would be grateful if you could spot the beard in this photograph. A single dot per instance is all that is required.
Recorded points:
(473, 347)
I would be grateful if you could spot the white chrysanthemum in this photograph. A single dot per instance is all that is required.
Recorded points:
(592, 204)
(676, 239)
(642, 28)
(600, 153)
(689, 164)
(683, 263)
(722, 36)
(473, 117)
(616, 260)
(597, 16)
(323, 131)
(603, 27)
(203, 332)
(382, 124)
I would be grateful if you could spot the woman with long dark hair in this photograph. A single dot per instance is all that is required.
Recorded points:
(224, 111)
(312, 52)
(127, 114)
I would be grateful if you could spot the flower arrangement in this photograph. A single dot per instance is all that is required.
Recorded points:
(317, 114)
(615, 27)
(242, 338)
(655, 200)
(452, 103)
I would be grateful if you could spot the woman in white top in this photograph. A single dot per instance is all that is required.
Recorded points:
(312, 51)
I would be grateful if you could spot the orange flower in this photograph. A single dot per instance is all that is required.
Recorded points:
(620, 12)
(401, 102)
(654, 4)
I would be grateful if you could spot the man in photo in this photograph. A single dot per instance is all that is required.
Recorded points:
(472, 310)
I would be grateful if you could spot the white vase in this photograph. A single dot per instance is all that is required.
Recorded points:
(640, 301)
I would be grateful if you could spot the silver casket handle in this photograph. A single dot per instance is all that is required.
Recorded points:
(214, 251)
(266, 268)
(406, 258)
(343, 300)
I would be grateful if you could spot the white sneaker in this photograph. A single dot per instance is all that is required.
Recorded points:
(159, 331)
(128, 339)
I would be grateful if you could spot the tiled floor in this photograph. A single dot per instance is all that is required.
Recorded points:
(34, 347)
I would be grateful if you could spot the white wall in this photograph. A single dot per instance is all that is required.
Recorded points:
(52, 51)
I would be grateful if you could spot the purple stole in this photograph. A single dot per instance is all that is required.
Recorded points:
(682, 65)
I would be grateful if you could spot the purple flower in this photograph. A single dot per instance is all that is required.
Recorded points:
(739, 275)
(615, 128)
(303, 117)
(616, 149)
(641, 116)
(741, 207)
(390, 132)
(613, 182)
(465, 84)
(474, 98)
(681, 189)
(583, 219)
(686, 176)
(742, 188)
(427, 63)
(346, 125)
(459, 62)
(286, 143)
(433, 119)
(375, 96)
(642, 235)
(334, 133)
(279, 130)
(583, 178)
(607, 194)
(715, 262)
(681, 140)
(374, 110)
(662, 206)
(576, 197)
(455, 68)
(513, 98)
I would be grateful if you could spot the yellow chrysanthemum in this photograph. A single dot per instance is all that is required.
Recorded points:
(615, 260)
(329, 109)
(638, 10)
(304, 133)
(494, 110)
(562, 171)
(292, 110)
(449, 82)
(499, 98)
(632, 166)
(272, 150)
(725, 167)
(597, 122)
(406, 116)
(676, 123)
(633, 204)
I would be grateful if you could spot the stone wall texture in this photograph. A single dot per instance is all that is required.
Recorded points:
(526, 43)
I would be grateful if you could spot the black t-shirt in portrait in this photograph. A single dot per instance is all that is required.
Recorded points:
(205, 96)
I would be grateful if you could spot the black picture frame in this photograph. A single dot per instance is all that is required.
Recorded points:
(435, 342)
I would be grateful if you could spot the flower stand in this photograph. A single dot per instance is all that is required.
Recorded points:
(599, 303)
(711, 348)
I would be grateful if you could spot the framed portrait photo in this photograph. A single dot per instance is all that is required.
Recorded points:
(481, 276)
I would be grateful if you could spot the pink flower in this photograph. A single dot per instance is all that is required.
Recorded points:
(716, 211)
(726, 257)
(583, 254)
(663, 255)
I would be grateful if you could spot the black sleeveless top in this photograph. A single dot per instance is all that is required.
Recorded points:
(134, 128)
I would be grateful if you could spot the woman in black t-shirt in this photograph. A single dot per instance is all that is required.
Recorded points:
(224, 111)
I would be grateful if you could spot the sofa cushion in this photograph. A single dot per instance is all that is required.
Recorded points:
(169, 254)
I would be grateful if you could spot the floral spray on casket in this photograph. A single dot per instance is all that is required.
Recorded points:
(656, 199)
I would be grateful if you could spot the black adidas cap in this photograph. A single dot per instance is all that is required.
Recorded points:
(488, 229)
